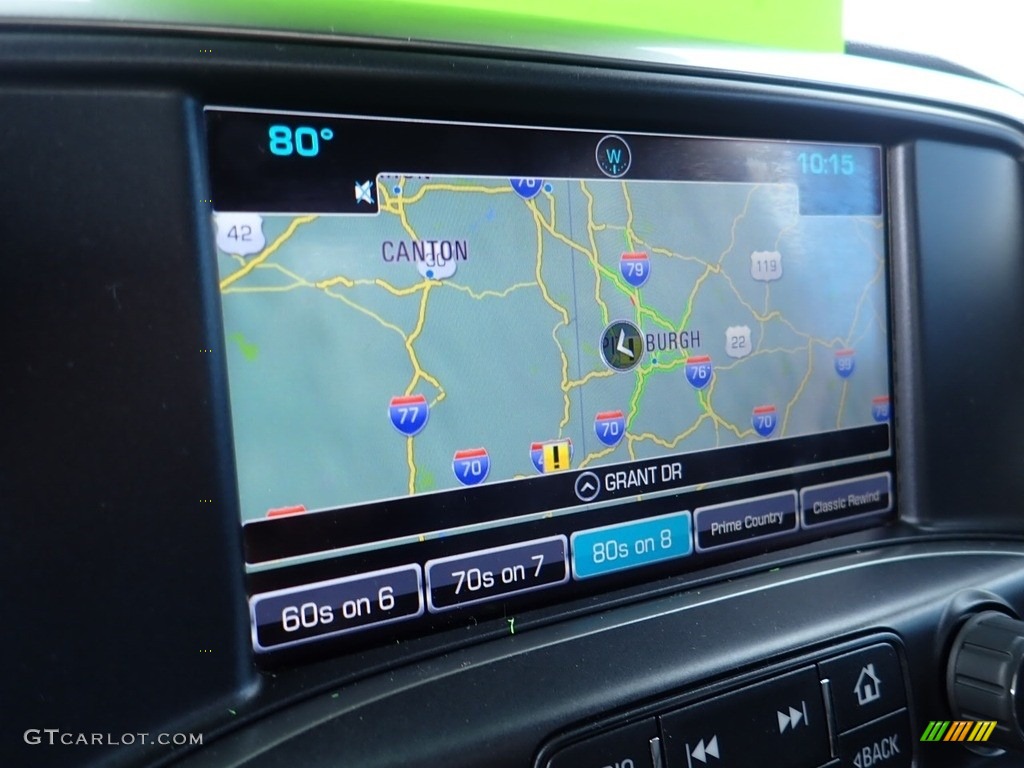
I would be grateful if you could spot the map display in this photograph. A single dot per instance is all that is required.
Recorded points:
(482, 330)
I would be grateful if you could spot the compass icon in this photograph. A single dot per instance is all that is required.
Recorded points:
(613, 156)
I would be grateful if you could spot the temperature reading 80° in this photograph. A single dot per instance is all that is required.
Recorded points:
(303, 141)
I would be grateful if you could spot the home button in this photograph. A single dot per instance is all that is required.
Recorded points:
(864, 684)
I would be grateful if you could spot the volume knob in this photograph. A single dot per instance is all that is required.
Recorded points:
(985, 676)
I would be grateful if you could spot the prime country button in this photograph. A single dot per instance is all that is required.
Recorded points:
(831, 502)
(610, 548)
(739, 522)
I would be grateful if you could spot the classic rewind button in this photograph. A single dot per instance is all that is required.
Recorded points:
(837, 501)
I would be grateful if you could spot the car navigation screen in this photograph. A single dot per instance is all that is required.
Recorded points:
(478, 369)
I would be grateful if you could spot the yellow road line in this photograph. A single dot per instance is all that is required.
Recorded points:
(412, 465)
(418, 372)
(453, 188)
(487, 294)
(234, 277)
(800, 389)
(842, 404)
(592, 375)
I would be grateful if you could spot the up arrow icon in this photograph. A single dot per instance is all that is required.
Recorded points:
(793, 718)
(702, 750)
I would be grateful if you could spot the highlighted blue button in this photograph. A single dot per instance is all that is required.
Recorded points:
(612, 548)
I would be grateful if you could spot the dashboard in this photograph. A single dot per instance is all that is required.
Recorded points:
(376, 403)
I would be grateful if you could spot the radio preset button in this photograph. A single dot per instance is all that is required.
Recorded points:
(301, 614)
(491, 574)
(833, 502)
(611, 548)
(725, 525)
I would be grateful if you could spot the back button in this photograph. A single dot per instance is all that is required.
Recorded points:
(884, 743)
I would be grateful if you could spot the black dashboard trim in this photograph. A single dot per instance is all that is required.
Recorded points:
(928, 575)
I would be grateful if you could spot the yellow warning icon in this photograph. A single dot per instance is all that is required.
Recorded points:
(555, 455)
